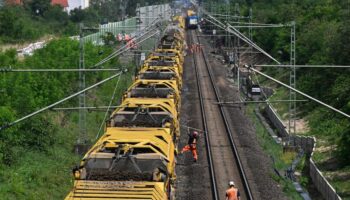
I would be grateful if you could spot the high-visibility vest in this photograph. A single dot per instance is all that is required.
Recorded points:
(127, 37)
(231, 193)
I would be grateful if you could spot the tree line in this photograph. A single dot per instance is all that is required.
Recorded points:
(35, 18)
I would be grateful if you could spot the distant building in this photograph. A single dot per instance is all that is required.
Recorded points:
(67, 5)
(78, 4)
(63, 3)
(13, 2)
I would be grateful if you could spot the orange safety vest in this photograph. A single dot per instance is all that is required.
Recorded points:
(231, 193)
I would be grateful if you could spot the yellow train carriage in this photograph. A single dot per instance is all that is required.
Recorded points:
(150, 112)
(164, 61)
(178, 32)
(154, 89)
(135, 158)
(163, 53)
(173, 39)
(127, 163)
(160, 73)
(172, 53)
(180, 20)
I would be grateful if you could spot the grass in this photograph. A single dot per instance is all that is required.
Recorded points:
(47, 174)
(324, 133)
(281, 160)
(41, 175)
(281, 94)
(342, 187)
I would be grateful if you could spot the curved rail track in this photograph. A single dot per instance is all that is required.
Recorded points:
(223, 159)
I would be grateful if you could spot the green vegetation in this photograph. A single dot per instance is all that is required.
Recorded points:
(20, 24)
(322, 38)
(322, 34)
(36, 156)
(281, 160)
(37, 18)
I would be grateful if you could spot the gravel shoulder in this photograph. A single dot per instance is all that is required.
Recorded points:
(257, 164)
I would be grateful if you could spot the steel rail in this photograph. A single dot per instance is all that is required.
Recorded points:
(229, 132)
(205, 126)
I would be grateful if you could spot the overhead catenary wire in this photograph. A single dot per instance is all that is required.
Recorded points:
(149, 28)
(85, 108)
(232, 16)
(234, 31)
(58, 102)
(241, 36)
(267, 101)
(109, 105)
(123, 49)
(247, 40)
(305, 66)
(299, 92)
(257, 26)
(5, 70)
(231, 29)
(113, 54)
(253, 23)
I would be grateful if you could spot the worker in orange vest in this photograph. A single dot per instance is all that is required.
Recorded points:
(191, 145)
(232, 193)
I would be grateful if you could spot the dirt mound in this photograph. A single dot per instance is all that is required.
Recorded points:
(106, 175)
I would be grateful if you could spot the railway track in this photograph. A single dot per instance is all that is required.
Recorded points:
(223, 159)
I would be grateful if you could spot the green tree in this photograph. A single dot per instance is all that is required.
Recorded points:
(56, 13)
(344, 147)
(38, 7)
(8, 138)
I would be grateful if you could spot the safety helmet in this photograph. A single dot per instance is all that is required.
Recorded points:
(195, 133)
(231, 183)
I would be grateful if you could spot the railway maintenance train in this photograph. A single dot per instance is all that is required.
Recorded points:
(191, 19)
(135, 157)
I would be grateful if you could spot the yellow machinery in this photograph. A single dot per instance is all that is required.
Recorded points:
(173, 39)
(150, 112)
(180, 21)
(161, 73)
(135, 158)
(154, 89)
(177, 53)
(164, 61)
(169, 42)
(191, 12)
(127, 163)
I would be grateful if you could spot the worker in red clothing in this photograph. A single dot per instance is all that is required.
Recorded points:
(191, 145)
(232, 193)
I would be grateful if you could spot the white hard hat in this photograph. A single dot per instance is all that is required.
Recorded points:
(231, 183)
